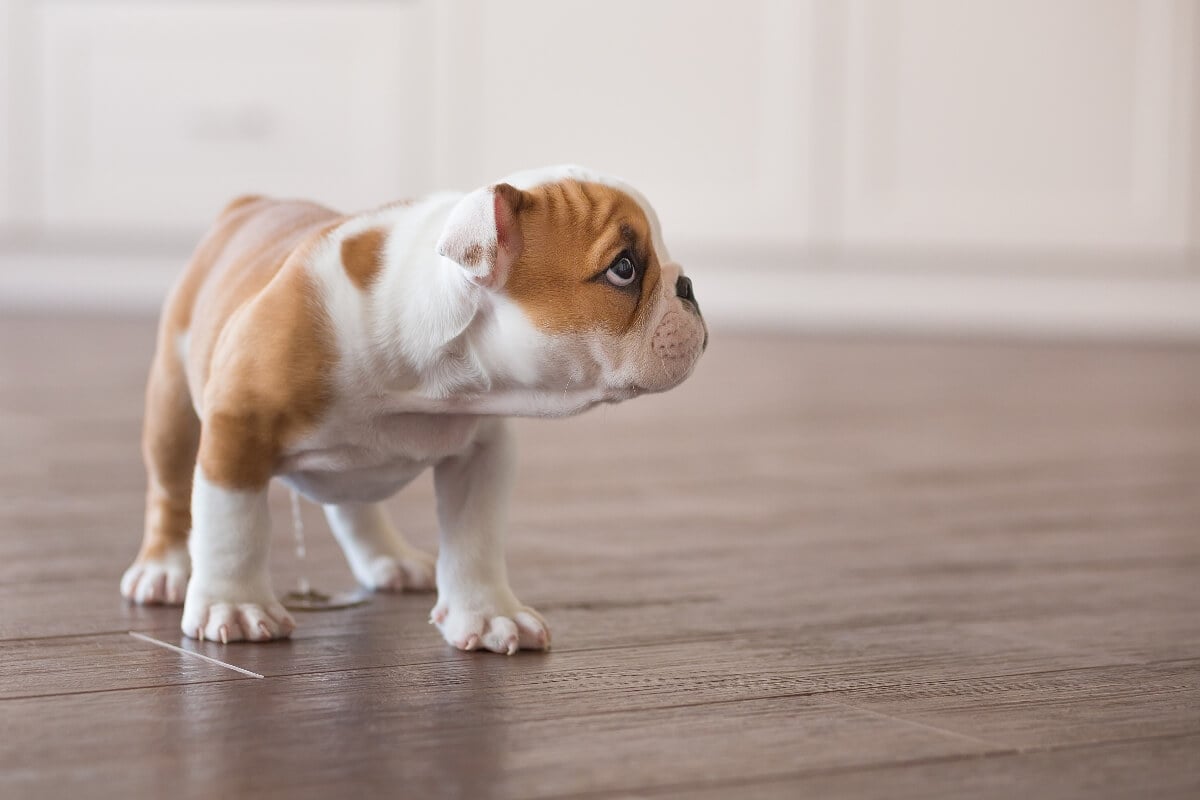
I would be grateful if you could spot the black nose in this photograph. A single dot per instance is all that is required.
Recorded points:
(683, 288)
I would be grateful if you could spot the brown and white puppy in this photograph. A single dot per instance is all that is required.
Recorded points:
(346, 354)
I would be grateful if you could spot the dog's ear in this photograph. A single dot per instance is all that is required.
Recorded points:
(483, 233)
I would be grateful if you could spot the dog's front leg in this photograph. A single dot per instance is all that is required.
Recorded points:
(476, 608)
(379, 556)
(230, 597)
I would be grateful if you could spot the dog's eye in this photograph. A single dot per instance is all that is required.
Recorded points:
(622, 272)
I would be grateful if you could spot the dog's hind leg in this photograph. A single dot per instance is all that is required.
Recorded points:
(170, 437)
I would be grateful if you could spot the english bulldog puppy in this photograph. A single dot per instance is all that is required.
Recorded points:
(344, 355)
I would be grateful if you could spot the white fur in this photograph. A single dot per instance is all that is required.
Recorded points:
(476, 608)
(181, 346)
(472, 221)
(230, 596)
(379, 556)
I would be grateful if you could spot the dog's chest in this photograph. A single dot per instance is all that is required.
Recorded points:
(361, 455)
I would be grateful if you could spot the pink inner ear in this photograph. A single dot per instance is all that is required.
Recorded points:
(508, 240)
(505, 219)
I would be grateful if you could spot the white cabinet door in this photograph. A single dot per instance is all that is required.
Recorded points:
(155, 114)
(1019, 122)
(702, 105)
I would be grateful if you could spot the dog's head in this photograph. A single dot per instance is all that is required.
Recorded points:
(606, 315)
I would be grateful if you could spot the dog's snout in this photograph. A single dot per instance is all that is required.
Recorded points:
(683, 288)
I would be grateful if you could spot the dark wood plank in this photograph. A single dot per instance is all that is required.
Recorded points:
(81, 664)
(1163, 767)
(1047, 709)
(372, 732)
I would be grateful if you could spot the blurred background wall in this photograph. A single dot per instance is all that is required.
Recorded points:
(961, 166)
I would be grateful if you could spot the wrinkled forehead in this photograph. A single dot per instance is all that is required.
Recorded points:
(620, 193)
(586, 221)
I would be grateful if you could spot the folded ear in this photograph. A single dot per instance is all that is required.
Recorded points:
(483, 234)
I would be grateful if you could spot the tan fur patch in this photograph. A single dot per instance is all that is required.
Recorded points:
(170, 436)
(269, 379)
(272, 383)
(258, 353)
(362, 256)
(238, 202)
(572, 232)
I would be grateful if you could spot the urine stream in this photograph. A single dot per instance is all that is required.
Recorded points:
(298, 536)
(304, 597)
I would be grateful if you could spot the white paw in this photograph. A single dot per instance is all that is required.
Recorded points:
(235, 616)
(413, 572)
(158, 581)
(499, 623)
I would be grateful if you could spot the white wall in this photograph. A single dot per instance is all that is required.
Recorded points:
(705, 106)
(1031, 123)
(1052, 124)
(953, 165)
(153, 114)
(6, 150)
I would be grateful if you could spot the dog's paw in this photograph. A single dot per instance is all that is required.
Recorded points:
(158, 581)
(499, 624)
(235, 619)
(412, 572)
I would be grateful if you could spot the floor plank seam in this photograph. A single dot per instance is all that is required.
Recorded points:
(118, 632)
(1091, 743)
(158, 642)
(608, 605)
(823, 690)
(115, 689)
(925, 725)
(1002, 675)
(740, 783)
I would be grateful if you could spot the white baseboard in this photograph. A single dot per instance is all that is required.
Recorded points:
(133, 282)
(808, 297)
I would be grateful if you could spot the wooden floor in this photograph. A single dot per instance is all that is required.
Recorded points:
(819, 569)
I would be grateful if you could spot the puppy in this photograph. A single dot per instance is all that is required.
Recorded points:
(347, 354)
